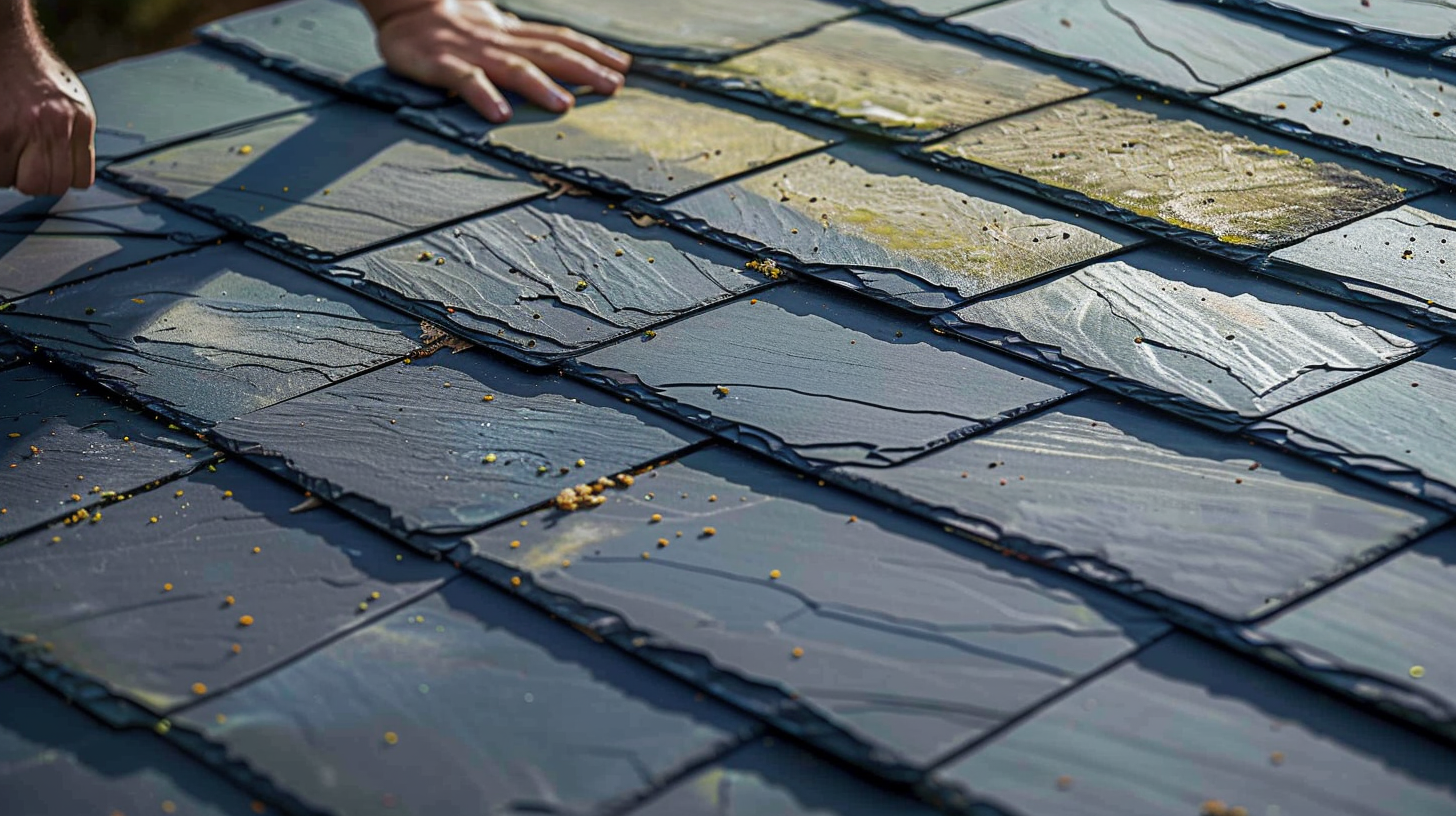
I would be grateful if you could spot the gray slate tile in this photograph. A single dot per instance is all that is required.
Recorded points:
(215, 334)
(1188, 728)
(326, 182)
(1221, 346)
(816, 378)
(544, 281)
(915, 237)
(326, 42)
(100, 594)
(492, 708)
(1408, 24)
(1128, 496)
(927, 10)
(406, 447)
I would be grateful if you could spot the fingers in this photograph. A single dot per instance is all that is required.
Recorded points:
(591, 47)
(83, 151)
(513, 72)
(58, 156)
(470, 84)
(59, 153)
(571, 67)
(32, 172)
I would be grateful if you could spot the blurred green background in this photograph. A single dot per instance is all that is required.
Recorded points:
(88, 33)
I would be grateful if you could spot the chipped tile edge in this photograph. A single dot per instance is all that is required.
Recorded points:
(1337, 286)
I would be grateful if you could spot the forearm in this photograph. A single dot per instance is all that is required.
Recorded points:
(19, 30)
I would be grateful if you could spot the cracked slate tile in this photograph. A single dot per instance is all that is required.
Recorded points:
(815, 378)
(1408, 24)
(161, 99)
(419, 450)
(215, 334)
(63, 447)
(1197, 337)
(884, 77)
(1167, 46)
(509, 711)
(1186, 727)
(153, 599)
(896, 231)
(684, 29)
(327, 42)
(1141, 501)
(649, 139)
(1402, 261)
(54, 759)
(326, 182)
(544, 281)
(1179, 173)
(898, 642)
(1375, 104)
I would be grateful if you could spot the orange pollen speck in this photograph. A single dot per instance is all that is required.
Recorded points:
(166, 587)
(199, 689)
(246, 620)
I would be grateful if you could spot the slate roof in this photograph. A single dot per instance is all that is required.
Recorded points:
(1008, 408)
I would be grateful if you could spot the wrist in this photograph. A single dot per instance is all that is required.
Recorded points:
(20, 34)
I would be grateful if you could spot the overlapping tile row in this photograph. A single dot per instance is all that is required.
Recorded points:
(1407, 24)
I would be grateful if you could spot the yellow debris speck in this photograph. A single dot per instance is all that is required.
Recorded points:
(646, 556)
(245, 149)
(581, 463)
(775, 574)
(391, 738)
(168, 806)
(489, 459)
(257, 550)
(797, 653)
(487, 398)
(374, 596)
(1417, 672)
(363, 606)
(229, 600)
(154, 519)
(656, 518)
(710, 531)
(662, 542)
(166, 587)
(237, 648)
(246, 620)
(515, 580)
(227, 494)
(515, 545)
(566, 562)
(199, 689)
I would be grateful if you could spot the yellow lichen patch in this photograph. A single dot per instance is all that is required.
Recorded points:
(765, 267)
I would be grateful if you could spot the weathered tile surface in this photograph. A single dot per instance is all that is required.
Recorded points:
(406, 447)
(544, 281)
(928, 10)
(100, 596)
(326, 182)
(1181, 173)
(214, 334)
(328, 42)
(815, 378)
(918, 238)
(63, 441)
(1126, 495)
(1193, 335)
(488, 702)
(1188, 728)
(885, 77)
(1166, 45)
(647, 139)
(1413, 24)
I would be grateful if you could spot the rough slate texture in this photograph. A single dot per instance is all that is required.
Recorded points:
(65, 442)
(1208, 341)
(100, 596)
(160, 99)
(327, 182)
(1179, 173)
(541, 282)
(928, 10)
(1165, 45)
(360, 443)
(1379, 105)
(885, 78)
(212, 335)
(1414, 24)
(913, 642)
(647, 139)
(1402, 261)
(900, 233)
(1188, 728)
(815, 379)
(489, 702)
(683, 29)
(1199, 516)
(328, 42)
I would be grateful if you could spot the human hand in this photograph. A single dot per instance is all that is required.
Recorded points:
(47, 124)
(476, 50)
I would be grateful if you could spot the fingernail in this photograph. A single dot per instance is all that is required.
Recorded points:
(615, 54)
(501, 111)
(561, 100)
(613, 79)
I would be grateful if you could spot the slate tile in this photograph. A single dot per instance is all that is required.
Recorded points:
(160, 99)
(492, 707)
(1395, 261)
(1139, 500)
(911, 236)
(1408, 24)
(1176, 172)
(11, 352)
(326, 42)
(211, 335)
(884, 77)
(1188, 728)
(1194, 336)
(927, 10)
(1168, 46)
(100, 596)
(417, 449)
(54, 760)
(326, 182)
(817, 379)
(543, 281)
(648, 139)
(1374, 104)
(61, 441)
(900, 643)
(684, 29)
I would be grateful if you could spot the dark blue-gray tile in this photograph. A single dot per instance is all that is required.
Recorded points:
(1408, 24)
(1142, 501)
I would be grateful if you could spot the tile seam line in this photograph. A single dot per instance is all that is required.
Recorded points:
(183, 249)
(851, 12)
